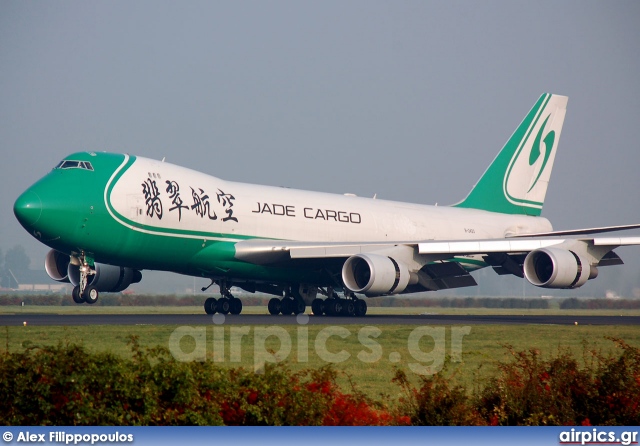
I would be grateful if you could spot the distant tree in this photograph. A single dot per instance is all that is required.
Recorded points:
(16, 259)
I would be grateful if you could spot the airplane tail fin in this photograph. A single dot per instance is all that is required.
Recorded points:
(517, 179)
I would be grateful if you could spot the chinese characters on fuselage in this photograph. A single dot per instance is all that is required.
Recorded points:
(174, 193)
(152, 198)
(201, 205)
(204, 207)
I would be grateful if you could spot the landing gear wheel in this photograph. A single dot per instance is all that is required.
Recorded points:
(299, 307)
(235, 306)
(333, 307)
(75, 294)
(317, 307)
(361, 308)
(286, 306)
(210, 305)
(337, 307)
(328, 307)
(349, 308)
(90, 294)
(223, 305)
(274, 306)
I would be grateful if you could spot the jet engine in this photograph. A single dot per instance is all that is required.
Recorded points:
(57, 265)
(374, 275)
(557, 268)
(107, 278)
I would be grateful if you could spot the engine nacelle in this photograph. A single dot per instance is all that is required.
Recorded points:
(374, 275)
(107, 278)
(56, 264)
(557, 268)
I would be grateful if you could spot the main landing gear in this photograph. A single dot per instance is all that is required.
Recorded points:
(289, 304)
(334, 305)
(83, 293)
(225, 304)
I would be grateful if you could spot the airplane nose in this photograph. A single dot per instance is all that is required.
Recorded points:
(28, 208)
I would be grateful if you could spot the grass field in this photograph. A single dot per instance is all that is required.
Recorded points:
(368, 362)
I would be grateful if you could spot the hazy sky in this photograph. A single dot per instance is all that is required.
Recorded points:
(410, 100)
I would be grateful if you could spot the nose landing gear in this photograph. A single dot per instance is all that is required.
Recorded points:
(83, 292)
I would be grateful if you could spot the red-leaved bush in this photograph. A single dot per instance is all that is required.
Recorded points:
(67, 385)
(604, 390)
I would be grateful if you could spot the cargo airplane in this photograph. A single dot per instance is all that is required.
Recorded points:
(129, 214)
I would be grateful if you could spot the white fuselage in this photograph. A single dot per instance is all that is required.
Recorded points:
(156, 195)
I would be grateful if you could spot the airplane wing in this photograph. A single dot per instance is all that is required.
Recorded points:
(521, 245)
(578, 231)
(271, 251)
(264, 252)
(432, 275)
(447, 264)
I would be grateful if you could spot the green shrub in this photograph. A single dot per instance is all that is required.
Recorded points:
(66, 385)
(531, 391)
(436, 402)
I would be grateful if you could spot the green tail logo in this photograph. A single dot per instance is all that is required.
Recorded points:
(517, 179)
(536, 152)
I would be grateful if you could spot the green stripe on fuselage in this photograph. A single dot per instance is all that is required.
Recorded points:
(83, 222)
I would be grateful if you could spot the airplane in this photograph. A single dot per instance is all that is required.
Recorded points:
(130, 213)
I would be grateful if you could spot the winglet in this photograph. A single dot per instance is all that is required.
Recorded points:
(517, 179)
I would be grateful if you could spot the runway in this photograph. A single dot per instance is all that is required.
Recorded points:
(258, 319)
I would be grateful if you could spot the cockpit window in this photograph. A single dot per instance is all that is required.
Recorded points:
(69, 164)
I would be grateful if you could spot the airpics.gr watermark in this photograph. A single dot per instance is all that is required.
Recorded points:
(423, 363)
(596, 436)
